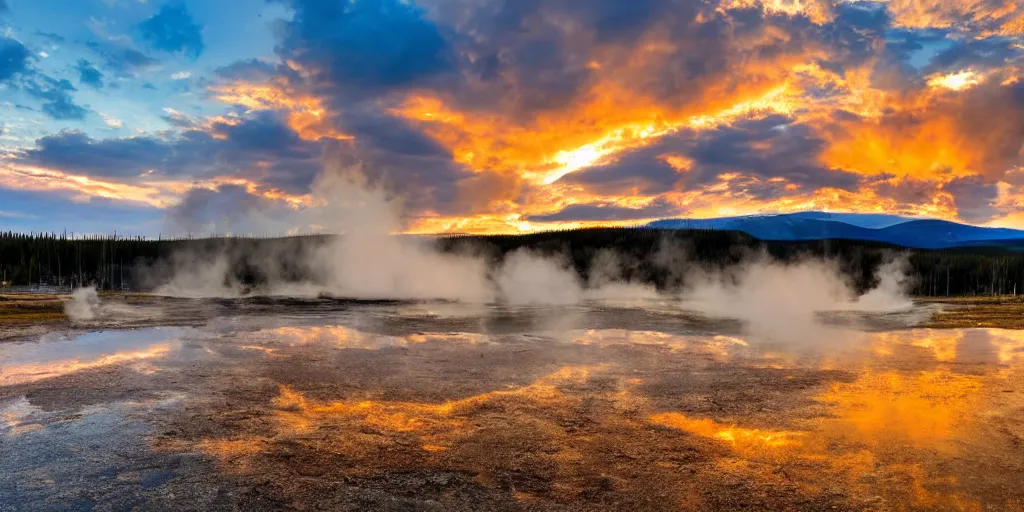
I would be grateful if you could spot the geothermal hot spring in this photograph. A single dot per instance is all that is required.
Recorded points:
(264, 403)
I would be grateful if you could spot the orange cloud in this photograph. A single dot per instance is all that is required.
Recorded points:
(819, 11)
(636, 94)
(998, 16)
(965, 124)
(554, 144)
(292, 200)
(307, 114)
(152, 192)
(955, 81)
(25, 177)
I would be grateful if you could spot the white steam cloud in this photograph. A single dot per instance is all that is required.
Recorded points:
(775, 300)
(784, 301)
(83, 305)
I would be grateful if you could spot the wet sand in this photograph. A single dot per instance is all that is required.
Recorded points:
(310, 405)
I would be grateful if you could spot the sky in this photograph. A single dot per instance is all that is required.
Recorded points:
(150, 117)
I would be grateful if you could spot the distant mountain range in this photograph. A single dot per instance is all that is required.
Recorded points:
(908, 232)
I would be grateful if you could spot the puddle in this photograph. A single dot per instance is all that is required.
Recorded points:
(26, 362)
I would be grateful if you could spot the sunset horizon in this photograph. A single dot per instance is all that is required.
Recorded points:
(491, 117)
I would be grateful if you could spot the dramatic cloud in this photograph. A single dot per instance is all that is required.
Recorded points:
(365, 46)
(978, 130)
(493, 115)
(173, 30)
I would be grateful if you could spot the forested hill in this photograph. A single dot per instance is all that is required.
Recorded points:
(649, 255)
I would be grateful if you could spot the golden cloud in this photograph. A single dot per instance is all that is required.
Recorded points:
(997, 16)
(307, 115)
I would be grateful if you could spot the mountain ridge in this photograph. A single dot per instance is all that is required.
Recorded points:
(921, 233)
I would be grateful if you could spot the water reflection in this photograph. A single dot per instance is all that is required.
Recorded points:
(904, 427)
(923, 409)
(751, 441)
(15, 417)
(642, 415)
(340, 336)
(713, 344)
(993, 347)
(29, 362)
(432, 427)
(917, 439)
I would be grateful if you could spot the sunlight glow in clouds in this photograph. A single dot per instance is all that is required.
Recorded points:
(306, 114)
(955, 81)
(510, 117)
(633, 137)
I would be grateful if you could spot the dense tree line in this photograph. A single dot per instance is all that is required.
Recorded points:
(662, 257)
(121, 263)
(59, 260)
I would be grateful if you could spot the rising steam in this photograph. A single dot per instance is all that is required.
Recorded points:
(783, 301)
(83, 305)
(369, 261)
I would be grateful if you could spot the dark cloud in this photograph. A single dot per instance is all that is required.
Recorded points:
(598, 212)
(641, 171)
(4, 8)
(76, 152)
(149, 86)
(972, 53)
(54, 38)
(124, 62)
(905, 43)
(260, 147)
(384, 132)
(89, 75)
(228, 208)
(62, 108)
(56, 97)
(906, 190)
(773, 147)
(179, 120)
(364, 46)
(390, 151)
(132, 59)
(251, 70)
(519, 59)
(973, 198)
(173, 30)
(13, 58)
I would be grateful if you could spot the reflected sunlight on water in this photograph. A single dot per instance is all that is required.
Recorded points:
(893, 435)
(899, 420)
(29, 362)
